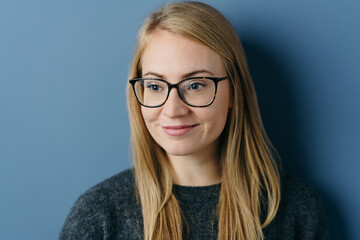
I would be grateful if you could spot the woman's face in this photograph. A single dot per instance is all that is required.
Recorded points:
(179, 129)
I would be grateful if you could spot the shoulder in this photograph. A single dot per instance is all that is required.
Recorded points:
(118, 187)
(299, 195)
(301, 214)
(100, 207)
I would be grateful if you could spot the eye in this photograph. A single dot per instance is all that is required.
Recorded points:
(153, 86)
(194, 85)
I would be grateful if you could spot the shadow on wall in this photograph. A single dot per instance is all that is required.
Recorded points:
(279, 111)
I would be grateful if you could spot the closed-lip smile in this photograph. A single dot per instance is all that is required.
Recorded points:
(178, 130)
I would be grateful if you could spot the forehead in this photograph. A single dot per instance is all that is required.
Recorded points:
(171, 54)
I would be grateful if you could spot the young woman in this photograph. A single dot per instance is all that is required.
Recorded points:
(204, 167)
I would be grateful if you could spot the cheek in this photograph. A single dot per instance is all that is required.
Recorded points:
(146, 114)
(218, 116)
(150, 116)
(215, 118)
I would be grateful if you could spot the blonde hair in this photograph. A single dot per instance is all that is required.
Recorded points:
(250, 189)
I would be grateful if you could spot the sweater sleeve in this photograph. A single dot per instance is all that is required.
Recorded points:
(87, 219)
(107, 210)
(300, 215)
(311, 221)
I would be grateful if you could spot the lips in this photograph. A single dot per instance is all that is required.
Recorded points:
(179, 130)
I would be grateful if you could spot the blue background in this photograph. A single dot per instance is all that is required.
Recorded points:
(63, 119)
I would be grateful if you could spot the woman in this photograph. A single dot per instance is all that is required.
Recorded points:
(203, 165)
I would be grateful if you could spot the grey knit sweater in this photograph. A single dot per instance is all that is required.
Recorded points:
(109, 211)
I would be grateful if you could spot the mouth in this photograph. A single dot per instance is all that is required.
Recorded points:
(179, 130)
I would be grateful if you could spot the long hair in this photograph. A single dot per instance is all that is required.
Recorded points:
(250, 189)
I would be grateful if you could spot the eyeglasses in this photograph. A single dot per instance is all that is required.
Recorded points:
(194, 91)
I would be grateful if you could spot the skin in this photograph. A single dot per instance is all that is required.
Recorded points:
(192, 151)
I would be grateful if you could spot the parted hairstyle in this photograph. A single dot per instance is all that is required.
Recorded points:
(250, 183)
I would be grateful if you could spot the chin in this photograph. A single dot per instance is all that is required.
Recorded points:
(178, 150)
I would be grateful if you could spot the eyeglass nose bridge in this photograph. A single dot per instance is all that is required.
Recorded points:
(176, 86)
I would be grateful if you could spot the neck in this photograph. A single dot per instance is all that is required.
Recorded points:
(195, 170)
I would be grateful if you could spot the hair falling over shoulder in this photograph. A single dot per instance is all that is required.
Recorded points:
(250, 189)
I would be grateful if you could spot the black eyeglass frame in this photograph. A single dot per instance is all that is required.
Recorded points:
(171, 86)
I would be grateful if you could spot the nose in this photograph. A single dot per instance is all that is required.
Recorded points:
(175, 107)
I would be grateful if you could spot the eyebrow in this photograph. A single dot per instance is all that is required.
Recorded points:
(187, 75)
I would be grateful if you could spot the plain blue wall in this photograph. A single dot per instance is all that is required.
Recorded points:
(63, 119)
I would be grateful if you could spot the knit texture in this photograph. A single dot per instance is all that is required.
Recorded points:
(109, 210)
